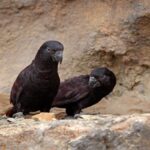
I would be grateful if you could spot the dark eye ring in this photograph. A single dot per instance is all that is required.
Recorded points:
(48, 49)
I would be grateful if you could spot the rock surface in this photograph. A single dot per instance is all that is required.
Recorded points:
(91, 132)
(95, 33)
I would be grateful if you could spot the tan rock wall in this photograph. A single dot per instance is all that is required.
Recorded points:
(112, 33)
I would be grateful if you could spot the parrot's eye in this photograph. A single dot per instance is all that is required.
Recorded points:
(48, 49)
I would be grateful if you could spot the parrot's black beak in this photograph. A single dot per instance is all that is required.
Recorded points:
(59, 56)
(93, 82)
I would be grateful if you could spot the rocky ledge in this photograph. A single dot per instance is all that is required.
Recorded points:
(89, 132)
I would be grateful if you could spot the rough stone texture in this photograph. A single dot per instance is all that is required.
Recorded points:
(92, 132)
(112, 33)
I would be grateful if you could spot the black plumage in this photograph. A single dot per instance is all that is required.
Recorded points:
(37, 84)
(83, 91)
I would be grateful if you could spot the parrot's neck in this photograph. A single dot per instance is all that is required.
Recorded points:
(45, 66)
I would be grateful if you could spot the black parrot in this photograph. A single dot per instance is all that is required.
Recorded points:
(83, 91)
(37, 85)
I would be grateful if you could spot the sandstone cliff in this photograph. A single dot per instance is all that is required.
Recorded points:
(112, 33)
